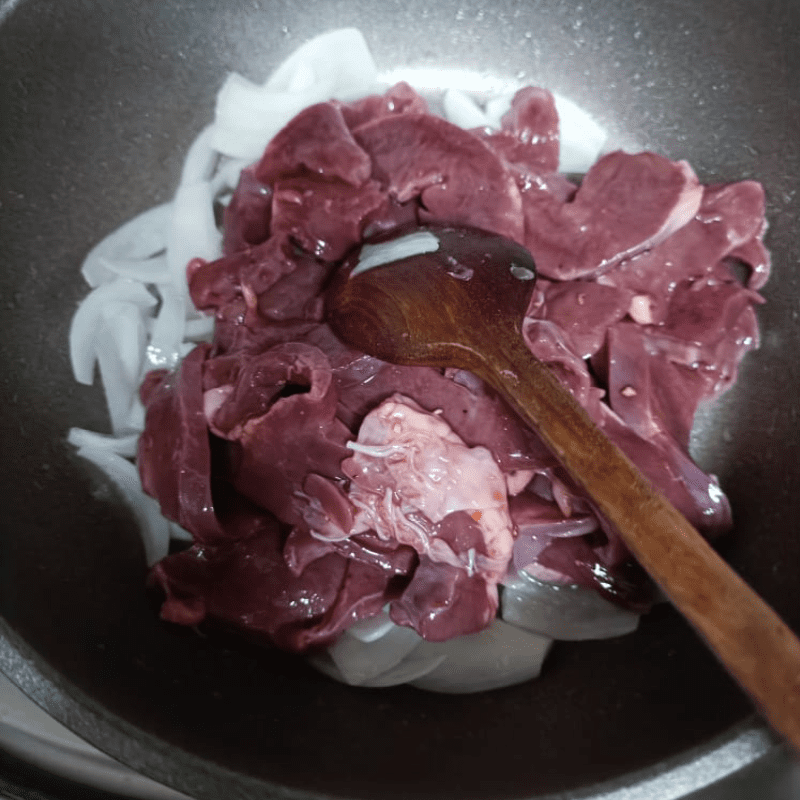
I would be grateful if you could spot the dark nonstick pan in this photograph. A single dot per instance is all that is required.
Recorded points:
(98, 102)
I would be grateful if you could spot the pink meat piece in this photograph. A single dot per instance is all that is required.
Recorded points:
(548, 342)
(458, 177)
(719, 321)
(658, 375)
(583, 310)
(174, 456)
(729, 224)
(661, 459)
(756, 257)
(471, 409)
(443, 601)
(325, 221)
(247, 215)
(399, 99)
(586, 562)
(396, 560)
(415, 482)
(317, 142)
(538, 522)
(634, 276)
(625, 205)
(272, 281)
(528, 135)
(279, 409)
(213, 285)
(297, 295)
(248, 585)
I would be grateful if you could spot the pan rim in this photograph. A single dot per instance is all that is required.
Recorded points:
(744, 744)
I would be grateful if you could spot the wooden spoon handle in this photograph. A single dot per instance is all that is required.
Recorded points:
(752, 642)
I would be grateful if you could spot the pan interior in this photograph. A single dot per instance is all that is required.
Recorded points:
(99, 104)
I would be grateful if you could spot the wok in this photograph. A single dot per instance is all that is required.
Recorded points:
(98, 103)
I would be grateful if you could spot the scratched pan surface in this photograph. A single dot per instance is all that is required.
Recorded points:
(98, 102)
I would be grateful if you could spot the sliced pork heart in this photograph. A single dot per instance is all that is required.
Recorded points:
(626, 205)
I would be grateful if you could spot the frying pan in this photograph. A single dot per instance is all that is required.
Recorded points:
(98, 102)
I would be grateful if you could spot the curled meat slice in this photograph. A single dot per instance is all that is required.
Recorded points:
(247, 215)
(458, 177)
(398, 99)
(248, 585)
(728, 225)
(625, 205)
(278, 409)
(528, 135)
(325, 223)
(174, 452)
(316, 141)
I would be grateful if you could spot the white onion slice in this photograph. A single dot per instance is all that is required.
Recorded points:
(119, 389)
(126, 329)
(140, 238)
(200, 329)
(154, 527)
(463, 110)
(580, 138)
(334, 65)
(368, 630)
(417, 664)
(248, 116)
(500, 655)
(563, 611)
(164, 349)
(240, 145)
(362, 661)
(192, 230)
(125, 446)
(83, 334)
(227, 175)
(144, 270)
(200, 160)
(178, 533)
(412, 244)
(135, 419)
(340, 60)
(496, 107)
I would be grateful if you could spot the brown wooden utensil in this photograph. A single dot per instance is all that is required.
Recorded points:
(462, 305)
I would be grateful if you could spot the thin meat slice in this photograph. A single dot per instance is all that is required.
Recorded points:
(583, 310)
(324, 219)
(247, 215)
(443, 601)
(458, 177)
(317, 141)
(528, 135)
(729, 224)
(279, 410)
(398, 99)
(248, 585)
(661, 459)
(305, 545)
(174, 457)
(626, 205)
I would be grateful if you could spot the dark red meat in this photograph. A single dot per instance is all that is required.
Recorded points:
(637, 310)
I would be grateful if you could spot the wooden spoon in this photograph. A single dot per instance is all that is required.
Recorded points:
(462, 305)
